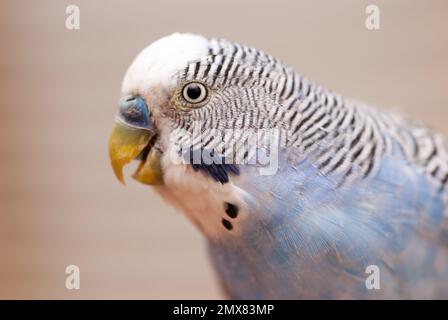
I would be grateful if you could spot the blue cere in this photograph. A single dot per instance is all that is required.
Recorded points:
(135, 112)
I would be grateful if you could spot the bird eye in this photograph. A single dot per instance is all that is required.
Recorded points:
(194, 92)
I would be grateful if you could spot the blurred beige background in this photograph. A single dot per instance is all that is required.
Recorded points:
(59, 201)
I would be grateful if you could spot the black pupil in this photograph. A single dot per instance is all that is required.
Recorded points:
(194, 91)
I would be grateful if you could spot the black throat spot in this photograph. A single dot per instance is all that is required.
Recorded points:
(211, 164)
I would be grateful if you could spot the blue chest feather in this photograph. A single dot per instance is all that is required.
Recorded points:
(308, 237)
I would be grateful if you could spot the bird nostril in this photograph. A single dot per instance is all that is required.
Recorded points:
(129, 99)
(132, 113)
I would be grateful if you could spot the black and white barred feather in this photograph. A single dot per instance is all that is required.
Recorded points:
(252, 90)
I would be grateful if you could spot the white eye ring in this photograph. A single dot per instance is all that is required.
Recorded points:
(194, 92)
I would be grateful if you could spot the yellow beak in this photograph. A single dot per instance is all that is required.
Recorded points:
(125, 144)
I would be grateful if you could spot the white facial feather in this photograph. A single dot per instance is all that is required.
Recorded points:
(200, 198)
(156, 65)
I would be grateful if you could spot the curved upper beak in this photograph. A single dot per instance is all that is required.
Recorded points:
(132, 137)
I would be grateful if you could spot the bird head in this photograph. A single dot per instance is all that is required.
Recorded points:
(185, 82)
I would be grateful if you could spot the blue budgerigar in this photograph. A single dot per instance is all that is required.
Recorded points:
(299, 192)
